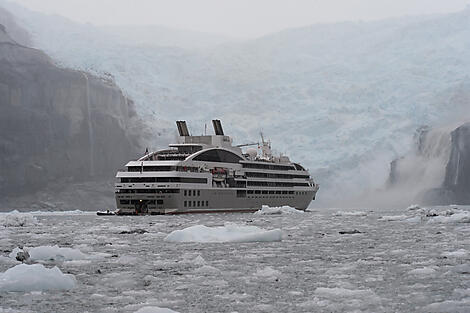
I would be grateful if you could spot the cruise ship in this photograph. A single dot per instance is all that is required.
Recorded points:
(207, 173)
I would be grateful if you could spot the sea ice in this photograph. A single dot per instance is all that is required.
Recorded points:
(207, 270)
(460, 217)
(424, 271)
(267, 210)
(227, 233)
(154, 309)
(391, 218)
(24, 277)
(461, 253)
(350, 213)
(51, 253)
(17, 219)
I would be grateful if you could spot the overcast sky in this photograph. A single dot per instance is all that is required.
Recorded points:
(238, 18)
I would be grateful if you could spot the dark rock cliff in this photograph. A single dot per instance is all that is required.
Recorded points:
(457, 178)
(58, 124)
(438, 170)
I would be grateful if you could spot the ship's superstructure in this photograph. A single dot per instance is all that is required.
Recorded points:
(209, 174)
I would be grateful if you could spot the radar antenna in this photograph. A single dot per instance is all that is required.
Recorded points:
(266, 147)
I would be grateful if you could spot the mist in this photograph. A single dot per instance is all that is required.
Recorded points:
(237, 19)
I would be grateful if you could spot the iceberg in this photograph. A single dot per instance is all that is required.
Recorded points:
(227, 233)
(17, 219)
(35, 277)
(51, 253)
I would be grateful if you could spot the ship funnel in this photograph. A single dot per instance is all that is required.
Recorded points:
(182, 128)
(217, 127)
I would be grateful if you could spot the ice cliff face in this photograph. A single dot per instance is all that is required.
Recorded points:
(58, 124)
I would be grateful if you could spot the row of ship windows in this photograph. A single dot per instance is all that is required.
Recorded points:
(269, 175)
(191, 180)
(148, 191)
(203, 203)
(162, 169)
(192, 193)
(278, 192)
(140, 201)
(269, 166)
(197, 193)
(275, 184)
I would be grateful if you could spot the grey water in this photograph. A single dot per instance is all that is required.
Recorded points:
(328, 261)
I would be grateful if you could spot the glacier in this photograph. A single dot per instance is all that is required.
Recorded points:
(344, 99)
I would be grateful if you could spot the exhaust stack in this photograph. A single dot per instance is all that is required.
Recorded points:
(217, 127)
(182, 128)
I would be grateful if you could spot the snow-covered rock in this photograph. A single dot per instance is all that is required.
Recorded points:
(267, 210)
(227, 233)
(35, 277)
(17, 219)
(51, 253)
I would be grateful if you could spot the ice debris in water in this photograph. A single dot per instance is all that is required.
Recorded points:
(228, 233)
(154, 309)
(267, 210)
(432, 216)
(35, 277)
(50, 253)
(413, 207)
(17, 219)
(340, 299)
(391, 218)
(350, 213)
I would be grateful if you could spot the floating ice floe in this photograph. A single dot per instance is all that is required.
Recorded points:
(458, 217)
(207, 270)
(51, 253)
(268, 273)
(340, 299)
(17, 219)
(35, 277)
(461, 253)
(391, 218)
(59, 213)
(267, 210)
(350, 213)
(423, 271)
(227, 233)
(154, 309)
(413, 207)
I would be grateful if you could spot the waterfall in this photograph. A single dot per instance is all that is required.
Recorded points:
(91, 135)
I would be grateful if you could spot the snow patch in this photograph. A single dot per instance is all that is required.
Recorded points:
(35, 277)
(267, 210)
(228, 233)
(17, 219)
